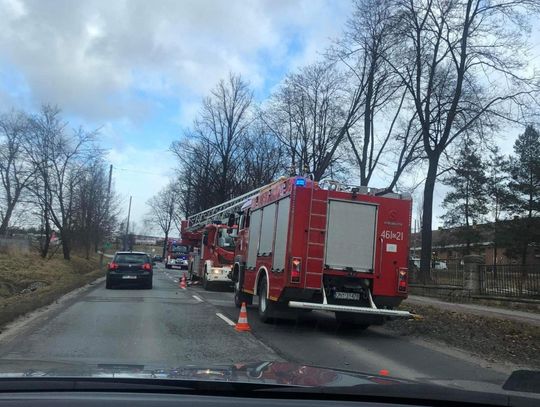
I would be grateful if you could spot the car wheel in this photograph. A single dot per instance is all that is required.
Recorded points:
(266, 307)
(108, 284)
(149, 284)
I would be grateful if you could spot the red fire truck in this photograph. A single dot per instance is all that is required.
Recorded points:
(342, 249)
(213, 251)
(177, 254)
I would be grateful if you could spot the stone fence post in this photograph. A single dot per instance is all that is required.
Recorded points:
(472, 273)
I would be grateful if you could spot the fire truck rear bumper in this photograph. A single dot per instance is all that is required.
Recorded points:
(347, 308)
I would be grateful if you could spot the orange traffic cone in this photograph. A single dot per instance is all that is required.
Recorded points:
(242, 324)
(183, 282)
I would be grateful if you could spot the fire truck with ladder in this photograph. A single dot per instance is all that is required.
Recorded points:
(302, 246)
(213, 244)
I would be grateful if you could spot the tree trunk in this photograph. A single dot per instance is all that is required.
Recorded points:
(6, 219)
(66, 247)
(427, 217)
(165, 245)
(47, 238)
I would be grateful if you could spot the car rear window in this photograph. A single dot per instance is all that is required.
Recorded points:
(132, 258)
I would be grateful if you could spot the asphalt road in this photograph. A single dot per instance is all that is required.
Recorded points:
(168, 326)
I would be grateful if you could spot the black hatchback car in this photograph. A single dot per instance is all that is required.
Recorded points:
(130, 268)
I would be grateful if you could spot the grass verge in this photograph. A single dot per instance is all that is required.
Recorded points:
(493, 339)
(28, 282)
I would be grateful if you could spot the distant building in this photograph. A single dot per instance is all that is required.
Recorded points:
(449, 244)
(146, 240)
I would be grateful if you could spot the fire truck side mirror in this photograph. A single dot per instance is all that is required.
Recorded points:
(205, 239)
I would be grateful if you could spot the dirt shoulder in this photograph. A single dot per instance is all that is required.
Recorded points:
(493, 339)
(28, 282)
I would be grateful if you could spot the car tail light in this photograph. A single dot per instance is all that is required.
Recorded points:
(113, 266)
(402, 280)
(147, 266)
(296, 269)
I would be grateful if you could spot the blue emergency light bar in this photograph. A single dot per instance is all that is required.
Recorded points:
(300, 182)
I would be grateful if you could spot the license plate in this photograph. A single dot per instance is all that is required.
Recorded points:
(346, 296)
(129, 277)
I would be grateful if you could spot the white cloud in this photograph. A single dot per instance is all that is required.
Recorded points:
(84, 56)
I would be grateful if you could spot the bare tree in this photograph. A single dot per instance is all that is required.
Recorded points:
(197, 166)
(462, 64)
(306, 116)
(263, 158)
(375, 93)
(15, 171)
(223, 124)
(163, 209)
(58, 158)
(94, 207)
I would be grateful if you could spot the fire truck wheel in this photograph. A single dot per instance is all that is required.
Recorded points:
(266, 307)
(239, 296)
(347, 320)
(205, 282)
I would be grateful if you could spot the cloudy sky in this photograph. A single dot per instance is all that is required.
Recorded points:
(138, 69)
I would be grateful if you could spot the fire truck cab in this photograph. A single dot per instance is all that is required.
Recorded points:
(212, 259)
(177, 254)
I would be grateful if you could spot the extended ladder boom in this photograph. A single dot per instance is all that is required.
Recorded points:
(224, 209)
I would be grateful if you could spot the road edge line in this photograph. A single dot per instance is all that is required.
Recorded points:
(227, 320)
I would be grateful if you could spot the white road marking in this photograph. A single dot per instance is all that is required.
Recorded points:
(227, 320)
(197, 298)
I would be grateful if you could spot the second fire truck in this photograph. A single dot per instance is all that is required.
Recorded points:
(212, 258)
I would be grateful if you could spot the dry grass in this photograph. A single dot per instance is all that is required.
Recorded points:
(495, 339)
(28, 282)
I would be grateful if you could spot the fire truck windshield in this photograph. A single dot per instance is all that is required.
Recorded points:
(225, 240)
(179, 249)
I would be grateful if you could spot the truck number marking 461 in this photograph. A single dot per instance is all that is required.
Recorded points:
(391, 235)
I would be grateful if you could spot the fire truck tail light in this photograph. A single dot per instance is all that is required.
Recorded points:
(402, 281)
(296, 268)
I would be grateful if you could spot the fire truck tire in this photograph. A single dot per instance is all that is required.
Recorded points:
(266, 307)
(205, 282)
(239, 296)
(347, 320)
(192, 276)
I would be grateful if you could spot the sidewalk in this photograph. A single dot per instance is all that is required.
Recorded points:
(481, 310)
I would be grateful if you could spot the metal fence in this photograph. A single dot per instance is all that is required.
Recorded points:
(447, 273)
(510, 280)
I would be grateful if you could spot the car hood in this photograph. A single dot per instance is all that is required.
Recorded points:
(279, 373)
(283, 376)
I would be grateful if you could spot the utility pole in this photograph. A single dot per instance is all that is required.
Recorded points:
(110, 181)
(127, 225)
